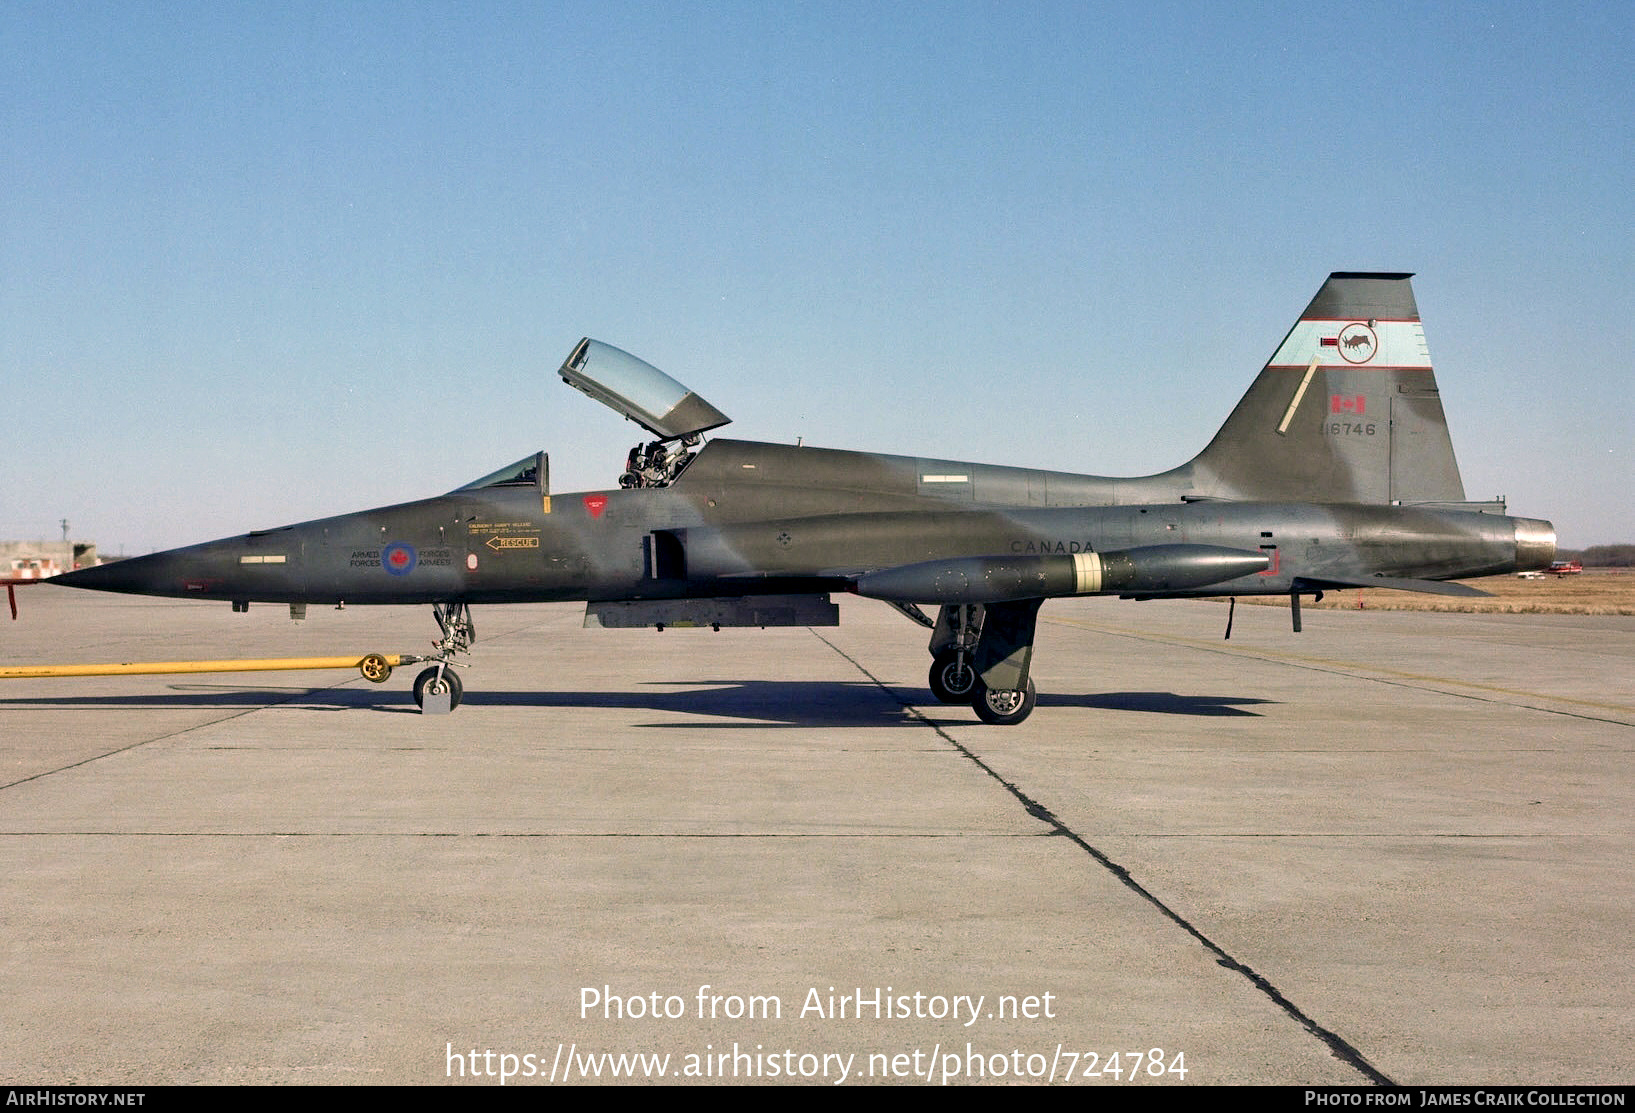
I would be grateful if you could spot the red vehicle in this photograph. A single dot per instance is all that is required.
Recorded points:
(1565, 567)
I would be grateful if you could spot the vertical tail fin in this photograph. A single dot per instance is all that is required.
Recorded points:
(1346, 410)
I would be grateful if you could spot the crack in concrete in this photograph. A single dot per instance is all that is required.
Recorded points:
(1337, 1045)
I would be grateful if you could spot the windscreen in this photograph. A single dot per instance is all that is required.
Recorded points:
(526, 472)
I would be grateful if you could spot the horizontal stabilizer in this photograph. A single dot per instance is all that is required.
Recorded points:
(1430, 587)
(1483, 506)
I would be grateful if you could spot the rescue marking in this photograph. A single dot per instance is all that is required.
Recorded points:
(498, 543)
(595, 504)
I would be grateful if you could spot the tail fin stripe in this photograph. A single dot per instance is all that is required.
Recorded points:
(1347, 367)
(1294, 403)
(1360, 342)
(1381, 436)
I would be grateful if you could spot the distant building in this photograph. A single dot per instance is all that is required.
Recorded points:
(39, 560)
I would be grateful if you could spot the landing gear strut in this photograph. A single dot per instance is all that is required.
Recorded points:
(980, 655)
(459, 634)
(953, 639)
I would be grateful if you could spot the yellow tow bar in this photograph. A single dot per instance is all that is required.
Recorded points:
(376, 667)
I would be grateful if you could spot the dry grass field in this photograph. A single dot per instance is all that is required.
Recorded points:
(1594, 591)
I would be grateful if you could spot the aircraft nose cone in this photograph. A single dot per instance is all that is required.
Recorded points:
(199, 571)
(134, 575)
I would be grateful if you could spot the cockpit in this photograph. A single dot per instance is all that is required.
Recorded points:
(676, 416)
(658, 463)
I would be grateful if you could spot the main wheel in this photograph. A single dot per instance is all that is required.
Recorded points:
(1001, 707)
(429, 683)
(952, 677)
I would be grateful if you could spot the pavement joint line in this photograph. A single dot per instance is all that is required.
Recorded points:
(1195, 836)
(291, 698)
(1376, 674)
(1337, 1045)
(163, 737)
(764, 835)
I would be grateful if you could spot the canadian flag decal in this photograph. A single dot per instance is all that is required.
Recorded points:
(1343, 404)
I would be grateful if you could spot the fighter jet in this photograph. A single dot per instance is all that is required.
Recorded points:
(1334, 471)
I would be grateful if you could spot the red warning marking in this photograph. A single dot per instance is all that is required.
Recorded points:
(595, 504)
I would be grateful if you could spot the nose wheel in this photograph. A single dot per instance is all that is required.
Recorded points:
(436, 681)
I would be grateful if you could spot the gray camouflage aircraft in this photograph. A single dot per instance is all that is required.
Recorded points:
(1334, 471)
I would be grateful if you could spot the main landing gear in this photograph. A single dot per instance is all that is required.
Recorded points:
(952, 679)
(459, 634)
(1004, 707)
(980, 656)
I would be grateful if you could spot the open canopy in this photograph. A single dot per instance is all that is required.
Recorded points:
(639, 391)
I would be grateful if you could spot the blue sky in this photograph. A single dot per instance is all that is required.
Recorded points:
(265, 263)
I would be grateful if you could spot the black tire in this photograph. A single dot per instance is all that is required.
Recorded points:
(1003, 708)
(952, 679)
(428, 683)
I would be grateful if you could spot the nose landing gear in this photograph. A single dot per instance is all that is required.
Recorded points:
(459, 634)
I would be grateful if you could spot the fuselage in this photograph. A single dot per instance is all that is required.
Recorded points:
(1334, 470)
(746, 518)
